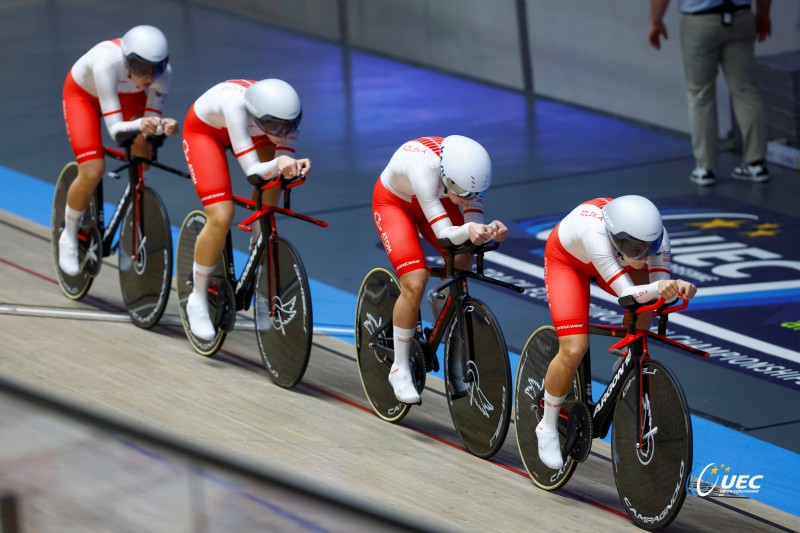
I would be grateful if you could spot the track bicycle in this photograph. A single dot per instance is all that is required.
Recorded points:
(144, 246)
(483, 414)
(651, 444)
(274, 274)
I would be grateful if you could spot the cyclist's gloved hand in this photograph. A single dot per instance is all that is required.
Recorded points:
(169, 126)
(686, 289)
(500, 231)
(480, 233)
(288, 166)
(669, 289)
(149, 125)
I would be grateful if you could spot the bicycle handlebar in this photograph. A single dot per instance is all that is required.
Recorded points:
(278, 181)
(449, 270)
(467, 247)
(126, 138)
(659, 306)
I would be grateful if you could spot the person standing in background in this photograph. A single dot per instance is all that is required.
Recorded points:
(720, 33)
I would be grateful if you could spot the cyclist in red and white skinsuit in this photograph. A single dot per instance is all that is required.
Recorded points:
(620, 243)
(125, 81)
(421, 190)
(258, 122)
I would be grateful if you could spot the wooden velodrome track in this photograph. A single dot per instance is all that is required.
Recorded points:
(321, 433)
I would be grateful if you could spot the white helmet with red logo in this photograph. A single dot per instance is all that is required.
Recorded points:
(466, 166)
(634, 225)
(145, 50)
(274, 106)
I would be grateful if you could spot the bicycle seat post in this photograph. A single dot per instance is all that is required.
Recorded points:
(450, 264)
(631, 317)
(286, 199)
(258, 198)
(662, 323)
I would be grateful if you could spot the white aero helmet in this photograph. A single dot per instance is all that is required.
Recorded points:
(634, 225)
(274, 106)
(145, 50)
(466, 167)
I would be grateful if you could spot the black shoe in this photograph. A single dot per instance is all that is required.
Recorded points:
(456, 368)
(756, 172)
(702, 176)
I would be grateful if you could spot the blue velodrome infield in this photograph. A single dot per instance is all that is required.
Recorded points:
(714, 445)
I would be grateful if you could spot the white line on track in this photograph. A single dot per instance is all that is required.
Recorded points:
(242, 323)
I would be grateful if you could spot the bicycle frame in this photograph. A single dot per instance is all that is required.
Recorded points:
(133, 191)
(244, 286)
(636, 341)
(457, 280)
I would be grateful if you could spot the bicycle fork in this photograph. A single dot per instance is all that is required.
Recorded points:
(644, 412)
(454, 318)
(138, 221)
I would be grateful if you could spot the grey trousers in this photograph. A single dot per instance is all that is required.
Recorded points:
(707, 45)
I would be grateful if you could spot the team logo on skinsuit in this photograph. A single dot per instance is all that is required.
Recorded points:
(284, 313)
(384, 235)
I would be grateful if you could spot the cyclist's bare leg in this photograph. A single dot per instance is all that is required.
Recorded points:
(89, 175)
(266, 152)
(208, 246)
(142, 148)
(404, 318)
(78, 197)
(571, 349)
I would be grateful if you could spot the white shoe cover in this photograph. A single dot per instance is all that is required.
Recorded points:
(68, 255)
(199, 320)
(403, 385)
(549, 448)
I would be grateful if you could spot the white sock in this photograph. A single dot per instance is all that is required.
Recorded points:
(72, 221)
(552, 407)
(402, 345)
(201, 276)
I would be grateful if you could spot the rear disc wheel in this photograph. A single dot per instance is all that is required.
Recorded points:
(190, 229)
(75, 287)
(539, 351)
(374, 305)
